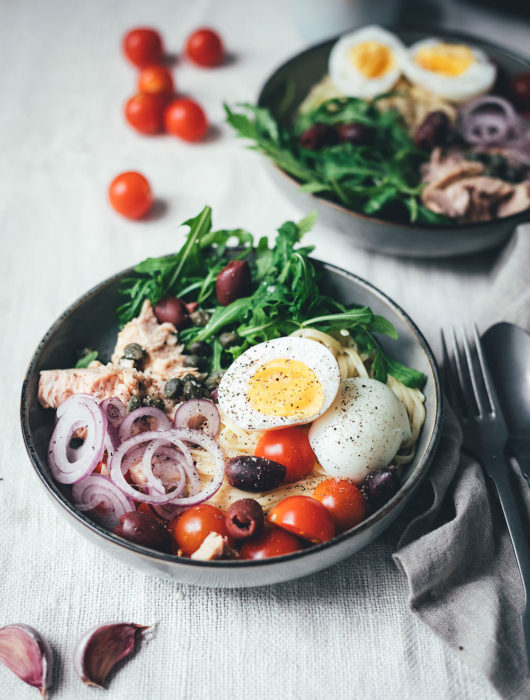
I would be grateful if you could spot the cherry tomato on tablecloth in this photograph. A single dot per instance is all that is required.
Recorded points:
(343, 501)
(189, 530)
(186, 119)
(303, 516)
(130, 195)
(273, 542)
(205, 48)
(145, 113)
(143, 46)
(156, 80)
(290, 447)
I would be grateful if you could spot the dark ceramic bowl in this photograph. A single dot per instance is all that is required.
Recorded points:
(286, 89)
(91, 321)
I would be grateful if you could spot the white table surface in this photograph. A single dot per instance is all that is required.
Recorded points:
(62, 139)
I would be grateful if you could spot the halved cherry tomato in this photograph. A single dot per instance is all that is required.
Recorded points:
(273, 542)
(343, 501)
(189, 530)
(205, 48)
(145, 113)
(290, 447)
(143, 46)
(156, 80)
(130, 195)
(303, 516)
(186, 119)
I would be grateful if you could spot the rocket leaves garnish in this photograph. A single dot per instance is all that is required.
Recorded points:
(287, 294)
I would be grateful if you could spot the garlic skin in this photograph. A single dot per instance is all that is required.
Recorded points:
(25, 652)
(102, 647)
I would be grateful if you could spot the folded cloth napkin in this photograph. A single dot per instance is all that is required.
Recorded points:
(457, 555)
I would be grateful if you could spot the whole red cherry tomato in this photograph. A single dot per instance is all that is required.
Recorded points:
(156, 80)
(145, 113)
(343, 501)
(290, 447)
(186, 119)
(205, 48)
(273, 542)
(304, 517)
(143, 46)
(189, 530)
(520, 90)
(130, 195)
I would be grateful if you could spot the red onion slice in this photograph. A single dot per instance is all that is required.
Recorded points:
(168, 468)
(172, 436)
(198, 414)
(162, 421)
(116, 412)
(67, 465)
(98, 494)
(488, 120)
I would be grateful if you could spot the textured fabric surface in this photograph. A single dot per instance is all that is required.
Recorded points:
(344, 633)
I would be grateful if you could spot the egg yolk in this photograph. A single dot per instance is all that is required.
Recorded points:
(373, 60)
(285, 387)
(449, 60)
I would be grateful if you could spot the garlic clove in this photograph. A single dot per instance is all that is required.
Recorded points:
(101, 648)
(25, 652)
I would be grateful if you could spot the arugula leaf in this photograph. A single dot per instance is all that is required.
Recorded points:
(88, 357)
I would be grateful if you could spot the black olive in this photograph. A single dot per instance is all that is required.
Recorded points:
(228, 339)
(318, 136)
(244, 519)
(254, 474)
(173, 388)
(144, 530)
(133, 351)
(133, 403)
(200, 317)
(432, 131)
(355, 133)
(379, 486)
(200, 347)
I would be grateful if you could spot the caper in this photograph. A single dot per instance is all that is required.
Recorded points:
(173, 388)
(228, 339)
(200, 317)
(195, 361)
(212, 382)
(191, 390)
(133, 351)
(155, 401)
(191, 378)
(200, 347)
(133, 403)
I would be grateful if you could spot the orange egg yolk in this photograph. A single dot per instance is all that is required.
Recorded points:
(449, 60)
(286, 387)
(372, 59)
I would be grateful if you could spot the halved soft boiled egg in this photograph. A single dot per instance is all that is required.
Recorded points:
(281, 382)
(361, 431)
(456, 72)
(366, 63)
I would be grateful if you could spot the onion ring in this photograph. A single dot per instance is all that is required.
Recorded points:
(199, 414)
(98, 490)
(162, 421)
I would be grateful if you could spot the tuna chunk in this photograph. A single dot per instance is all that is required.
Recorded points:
(215, 546)
(102, 381)
(519, 201)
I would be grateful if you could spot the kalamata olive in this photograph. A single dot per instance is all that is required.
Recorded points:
(133, 351)
(172, 310)
(318, 136)
(173, 388)
(133, 403)
(379, 486)
(228, 338)
(233, 282)
(244, 519)
(144, 530)
(520, 90)
(200, 317)
(355, 133)
(200, 347)
(432, 131)
(254, 474)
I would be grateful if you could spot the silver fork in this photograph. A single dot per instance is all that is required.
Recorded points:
(472, 395)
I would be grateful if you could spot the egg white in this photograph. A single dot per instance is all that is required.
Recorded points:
(233, 388)
(348, 79)
(361, 431)
(476, 80)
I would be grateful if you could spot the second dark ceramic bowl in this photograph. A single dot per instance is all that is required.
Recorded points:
(91, 321)
(289, 85)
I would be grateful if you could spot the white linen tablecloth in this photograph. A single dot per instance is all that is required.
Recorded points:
(344, 633)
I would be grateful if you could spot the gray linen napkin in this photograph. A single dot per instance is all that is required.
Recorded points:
(457, 555)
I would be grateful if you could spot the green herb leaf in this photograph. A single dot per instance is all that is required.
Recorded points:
(86, 359)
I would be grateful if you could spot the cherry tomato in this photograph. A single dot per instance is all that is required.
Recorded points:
(156, 80)
(520, 89)
(186, 119)
(290, 447)
(189, 530)
(343, 501)
(130, 195)
(145, 113)
(205, 48)
(273, 542)
(303, 516)
(143, 46)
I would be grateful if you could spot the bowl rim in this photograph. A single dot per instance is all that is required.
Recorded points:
(419, 471)
(443, 32)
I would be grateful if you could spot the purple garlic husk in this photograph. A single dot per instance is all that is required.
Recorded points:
(25, 652)
(102, 647)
